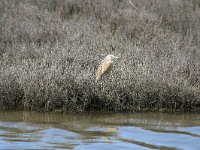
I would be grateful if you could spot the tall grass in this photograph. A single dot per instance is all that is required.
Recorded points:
(50, 50)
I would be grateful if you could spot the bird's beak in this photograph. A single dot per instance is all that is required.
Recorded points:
(116, 57)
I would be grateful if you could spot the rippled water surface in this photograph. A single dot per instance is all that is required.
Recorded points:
(31, 130)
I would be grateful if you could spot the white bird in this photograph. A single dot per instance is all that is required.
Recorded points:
(105, 66)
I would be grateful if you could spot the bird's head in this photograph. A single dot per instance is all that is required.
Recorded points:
(111, 57)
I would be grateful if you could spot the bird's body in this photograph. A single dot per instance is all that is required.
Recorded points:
(105, 66)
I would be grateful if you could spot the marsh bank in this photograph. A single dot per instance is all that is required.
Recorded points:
(50, 50)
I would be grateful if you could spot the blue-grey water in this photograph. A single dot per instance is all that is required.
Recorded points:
(31, 130)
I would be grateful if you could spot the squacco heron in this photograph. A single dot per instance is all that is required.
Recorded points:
(105, 66)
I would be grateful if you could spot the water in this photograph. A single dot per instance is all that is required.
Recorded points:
(31, 130)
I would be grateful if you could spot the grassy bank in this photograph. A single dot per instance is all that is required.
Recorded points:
(50, 49)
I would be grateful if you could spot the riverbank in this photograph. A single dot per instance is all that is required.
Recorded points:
(50, 50)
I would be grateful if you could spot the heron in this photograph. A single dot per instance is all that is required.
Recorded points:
(105, 66)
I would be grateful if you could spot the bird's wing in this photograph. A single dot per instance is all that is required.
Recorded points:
(102, 69)
(106, 66)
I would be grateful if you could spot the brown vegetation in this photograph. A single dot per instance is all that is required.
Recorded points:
(50, 50)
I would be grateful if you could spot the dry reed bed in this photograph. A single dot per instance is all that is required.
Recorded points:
(49, 51)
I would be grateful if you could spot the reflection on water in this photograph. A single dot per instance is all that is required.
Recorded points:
(31, 130)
